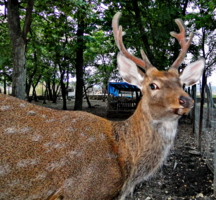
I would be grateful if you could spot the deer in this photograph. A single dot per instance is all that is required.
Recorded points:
(51, 154)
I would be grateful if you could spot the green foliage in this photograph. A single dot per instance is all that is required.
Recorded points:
(5, 49)
(52, 41)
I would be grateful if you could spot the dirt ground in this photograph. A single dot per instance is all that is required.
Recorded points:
(184, 175)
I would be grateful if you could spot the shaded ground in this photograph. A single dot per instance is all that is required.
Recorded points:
(185, 175)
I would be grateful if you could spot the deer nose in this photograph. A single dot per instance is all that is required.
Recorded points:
(186, 102)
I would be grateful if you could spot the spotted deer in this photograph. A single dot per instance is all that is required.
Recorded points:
(49, 154)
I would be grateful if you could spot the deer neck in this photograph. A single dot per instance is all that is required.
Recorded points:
(144, 144)
(141, 134)
(144, 120)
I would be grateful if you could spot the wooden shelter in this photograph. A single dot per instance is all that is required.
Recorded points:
(122, 99)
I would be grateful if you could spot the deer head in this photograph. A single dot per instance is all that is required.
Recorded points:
(162, 90)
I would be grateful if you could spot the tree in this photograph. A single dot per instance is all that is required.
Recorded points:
(18, 38)
(79, 59)
(102, 63)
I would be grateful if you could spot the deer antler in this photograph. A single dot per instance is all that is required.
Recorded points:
(182, 41)
(117, 31)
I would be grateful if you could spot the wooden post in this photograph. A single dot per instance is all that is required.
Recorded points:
(202, 100)
(193, 118)
(215, 168)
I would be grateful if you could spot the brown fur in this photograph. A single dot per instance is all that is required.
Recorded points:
(75, 155)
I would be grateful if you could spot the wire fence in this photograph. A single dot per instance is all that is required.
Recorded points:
(205, 129)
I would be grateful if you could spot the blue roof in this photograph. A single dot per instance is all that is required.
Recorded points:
(115, 87)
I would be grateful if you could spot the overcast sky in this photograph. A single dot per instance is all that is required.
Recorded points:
(212, 79)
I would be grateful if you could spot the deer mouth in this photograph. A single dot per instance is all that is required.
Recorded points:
(181, 111)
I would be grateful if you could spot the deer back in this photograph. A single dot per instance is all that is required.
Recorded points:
(51, 154)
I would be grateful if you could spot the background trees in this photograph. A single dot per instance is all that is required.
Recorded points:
(53, 41)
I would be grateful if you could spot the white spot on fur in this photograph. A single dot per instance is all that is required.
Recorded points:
(68, 183)
(5, 108)
(53, 165)
(25, 130)
(56, 134)
(91, 139)
(31, 113)
(111, 155)
(73, 154)
(49, 192)
(74, 120)
(58, 146)
(36, 138)
(50, 120)
(22, 105)
(103, 137)
(48, 144)
(27, 162)
(88, 128)
(41, 176)
(10, 130)
(82, 134)
(51, 146)
(4, 170)
(71, 129)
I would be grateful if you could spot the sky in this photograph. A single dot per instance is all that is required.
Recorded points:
(212, 78)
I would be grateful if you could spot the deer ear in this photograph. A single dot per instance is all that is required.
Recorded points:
(129, 71)
(193, 72)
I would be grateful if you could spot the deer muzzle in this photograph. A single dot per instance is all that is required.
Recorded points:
(186, 102)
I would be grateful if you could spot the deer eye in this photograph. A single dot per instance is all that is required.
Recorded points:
(153, 86)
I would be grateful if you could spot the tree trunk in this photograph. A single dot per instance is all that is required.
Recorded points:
(104, 91)
(87, 99)
(209, 94)
(49, 90)
(18, 41)
(63, 91)
(18, 50)
(35, 95)
(79, 65)
(19, 69)
(5, 86)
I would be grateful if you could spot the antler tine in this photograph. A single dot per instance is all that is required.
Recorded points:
(182, 41)
(117, 31)
(115, 27)
(122, 48)
(144, 57)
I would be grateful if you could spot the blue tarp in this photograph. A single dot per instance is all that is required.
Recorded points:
(115, 87)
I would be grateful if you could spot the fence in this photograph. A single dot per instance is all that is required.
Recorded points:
(204, 121)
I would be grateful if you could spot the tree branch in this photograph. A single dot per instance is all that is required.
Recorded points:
(28, 17)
